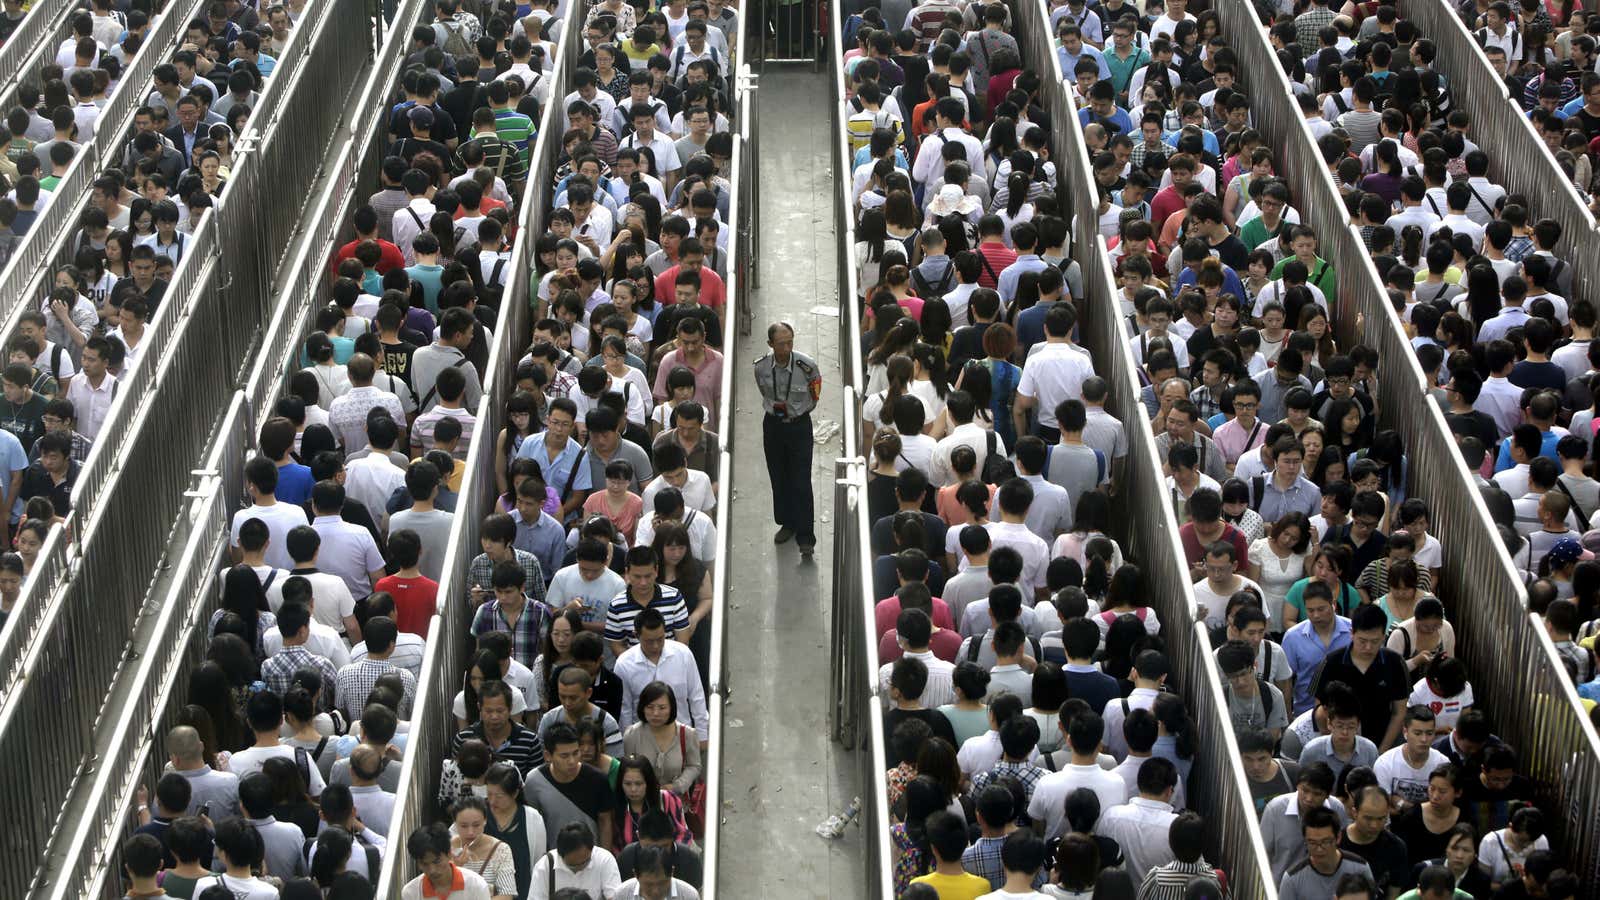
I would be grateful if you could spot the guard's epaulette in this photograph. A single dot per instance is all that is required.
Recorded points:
(805, 364)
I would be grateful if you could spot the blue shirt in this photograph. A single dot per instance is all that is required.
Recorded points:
(294, 483)
(430, 277)
(1006, 284)
(1230, 280)
(13, 459)
(545, 539)
(1069, 62)
(1209, 140)
(557, 470)
(1305, 652)
(864, 156)
(1547, 447)
(1118, 119)
(1302, 496)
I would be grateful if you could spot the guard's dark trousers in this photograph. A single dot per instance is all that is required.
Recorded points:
(788, 448)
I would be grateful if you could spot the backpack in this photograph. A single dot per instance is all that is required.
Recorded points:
(456, 43)
(996, 467)
(494, 287)
(975, 647)
(930, 289)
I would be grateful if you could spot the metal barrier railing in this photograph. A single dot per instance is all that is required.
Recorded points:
(1148, 527)
(92, 866)
(857, 720)
(26, 280)
(1521, 161)
(221, 473)
(85, 621)
(432, 722)
(31, 46)
(1537, 711)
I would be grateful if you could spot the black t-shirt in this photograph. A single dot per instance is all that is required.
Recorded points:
(1420, 842)
(590, 791)
(934, 718)
(396, 360)
(1480, 425)
(9, 26)
(1378, 687)
(1590, 121)
(666, 327)
(408, 148)
(158, 290)
(1387, 856)
(967, 343)
(1233, 253)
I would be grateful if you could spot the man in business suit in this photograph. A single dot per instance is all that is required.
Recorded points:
(188, 132)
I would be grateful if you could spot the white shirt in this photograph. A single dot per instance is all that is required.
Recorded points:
(1115, 742)
(969, 435)
(374, 805)
(676, 667)
(248, 888)
(473, 887)
(349, 552)
(938, 691)
(1140, 827)
(980, 753)
(347, 414)
(407, 653)
(1053, 373)
(405, 228)
(600, 878)
(1035, 552)
(280, 518)
(91, 404)
(1397, 776)
(250, 760)
(331, 601)
(370, 480)
(696, 490)
(324, 641)
(1049, 801)
(1215, 604)
(702, 532)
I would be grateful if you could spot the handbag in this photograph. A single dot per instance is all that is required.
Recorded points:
(694, 802)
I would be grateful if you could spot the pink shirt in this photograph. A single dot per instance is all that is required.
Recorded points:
(1234, 441)
(707, 380)
(888, 612)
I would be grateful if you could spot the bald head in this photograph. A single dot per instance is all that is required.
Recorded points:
(366, 764)
(185, 746)
(361, 369)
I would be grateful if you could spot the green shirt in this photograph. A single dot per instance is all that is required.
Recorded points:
(1122, 69)
(1321, 276)
(1255, 233)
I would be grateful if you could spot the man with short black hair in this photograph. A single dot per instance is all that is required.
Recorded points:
(1377, 673)
(1315, 876)
(571, 795)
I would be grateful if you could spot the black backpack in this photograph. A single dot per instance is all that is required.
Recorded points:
(931, 289)
(996, 467)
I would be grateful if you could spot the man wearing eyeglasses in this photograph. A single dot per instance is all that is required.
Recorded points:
(1318, 875)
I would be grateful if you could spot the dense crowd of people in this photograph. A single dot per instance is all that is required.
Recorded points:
(580, 723)
(1033, 745)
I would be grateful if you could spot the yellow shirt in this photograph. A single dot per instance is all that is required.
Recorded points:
(965, 886)
(454, 481)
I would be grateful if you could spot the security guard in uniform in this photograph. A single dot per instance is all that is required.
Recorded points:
(790, 385)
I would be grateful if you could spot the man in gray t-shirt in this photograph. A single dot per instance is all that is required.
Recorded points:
(1316, 877)
(431, 525)
(1252, 702)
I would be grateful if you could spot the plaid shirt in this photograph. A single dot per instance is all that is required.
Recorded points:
(480, 574)
(355, 682)
(80, 449)
(982, 859)
(1208, 402)
(1142, 149)
(1025, 773)
(1171, 880)
(1306, 26)
(278, 671)
(526, 636)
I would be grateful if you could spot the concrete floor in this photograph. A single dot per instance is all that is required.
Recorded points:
(783, 774)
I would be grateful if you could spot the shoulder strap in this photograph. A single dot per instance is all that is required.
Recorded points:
(974, 646)
(1338, 102)
(1258, 487)
(374, 859)
(428, 397)
(1479, 197)
(1125, 709)
(1266, 697)
(552, 857)
(416, 218)
(1583, 515)
(572, 477)
(321, 745)
(270, 578)
(55, 361)
(302, 761)
(1049, 761)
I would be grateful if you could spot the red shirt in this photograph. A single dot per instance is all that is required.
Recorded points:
(999, 256)
(888, 613)
(1195, 553)
(945, 644)
(1166, 202)
(711, 288)
(415, 601)
(999, 86)
(389, 259)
